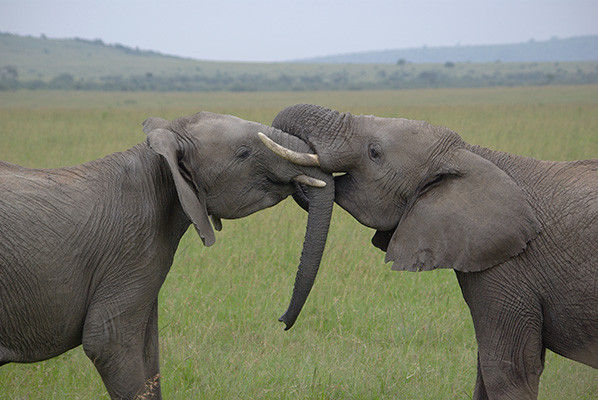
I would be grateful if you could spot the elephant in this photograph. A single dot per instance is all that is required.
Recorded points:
(84, 250)
(520, 233)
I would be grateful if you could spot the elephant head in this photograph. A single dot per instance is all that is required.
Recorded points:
(221, 169)
(433, 202)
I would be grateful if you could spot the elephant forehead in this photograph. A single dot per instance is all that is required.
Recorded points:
(207, 125)
(398, 130)
(417, 140)
(408, 130)
(228, 133)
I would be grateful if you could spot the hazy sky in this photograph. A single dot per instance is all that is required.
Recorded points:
(279, 30)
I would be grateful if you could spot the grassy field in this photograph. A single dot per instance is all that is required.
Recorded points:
(366, 332)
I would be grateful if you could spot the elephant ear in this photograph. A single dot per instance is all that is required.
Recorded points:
(470, 218)
(163, 142)
(154, 123)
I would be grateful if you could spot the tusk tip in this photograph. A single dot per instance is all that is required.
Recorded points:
(309, 181)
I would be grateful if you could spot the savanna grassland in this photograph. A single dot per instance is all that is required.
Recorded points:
(366, 332)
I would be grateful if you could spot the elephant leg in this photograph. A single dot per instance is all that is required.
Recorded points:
(479, 392)
(510, 355)
(507, 379)
(151, 354)
(508, 327)
(123, 347)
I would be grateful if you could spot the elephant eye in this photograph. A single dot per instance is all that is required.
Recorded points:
(375, 152)
(243, 153)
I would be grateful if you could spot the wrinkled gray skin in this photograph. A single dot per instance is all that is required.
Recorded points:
(84, 250)
(521, 234)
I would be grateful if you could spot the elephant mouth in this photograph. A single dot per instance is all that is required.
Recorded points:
(381, 239)
(344, 196)
(251, 199)
(268, 199)
(301, 195)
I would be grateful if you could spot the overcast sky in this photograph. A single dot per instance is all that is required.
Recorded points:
(280, 30)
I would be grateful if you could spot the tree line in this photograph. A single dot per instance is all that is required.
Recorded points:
(400, 76)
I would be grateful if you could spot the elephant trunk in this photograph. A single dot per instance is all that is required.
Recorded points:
(326, 131)
(321, 202)
(318, 222)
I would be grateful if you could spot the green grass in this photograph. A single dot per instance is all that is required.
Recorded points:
(366, 332)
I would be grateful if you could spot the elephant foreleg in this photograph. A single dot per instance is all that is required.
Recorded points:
(508, 327)
(479, 392)
(124, 350)
(151, 355)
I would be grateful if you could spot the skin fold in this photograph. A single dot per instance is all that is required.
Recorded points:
(84, 250)
(520, 233)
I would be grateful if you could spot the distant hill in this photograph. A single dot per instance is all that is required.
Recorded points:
(44, 58)
(582, 48)
(37, 63)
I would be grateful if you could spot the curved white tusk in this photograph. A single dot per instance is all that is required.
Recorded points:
(303, 159)
(309, 181)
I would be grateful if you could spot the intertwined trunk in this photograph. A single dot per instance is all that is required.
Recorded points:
(320, 211)
(320, 204)
(326, 131)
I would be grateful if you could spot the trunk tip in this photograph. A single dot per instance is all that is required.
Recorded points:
(288, 324)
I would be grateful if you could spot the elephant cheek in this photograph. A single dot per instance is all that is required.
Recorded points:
(247, 202)
(363, 204)
(265, 200)
(347, 196)
(344, 185)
